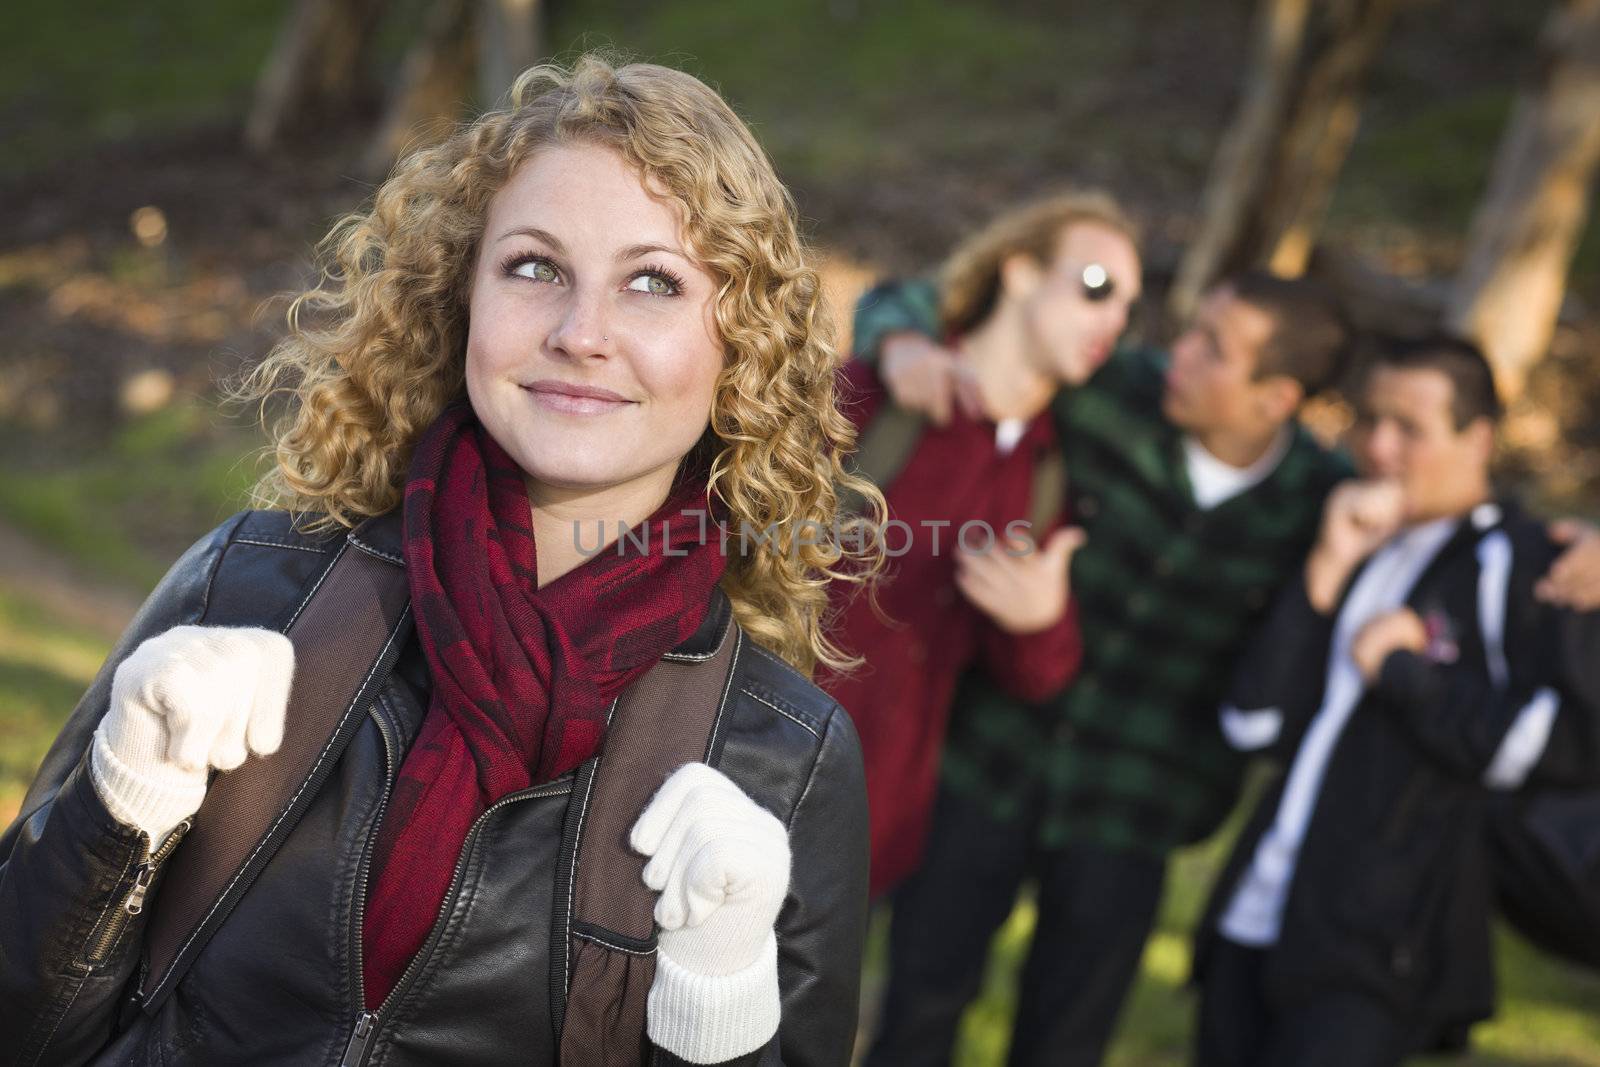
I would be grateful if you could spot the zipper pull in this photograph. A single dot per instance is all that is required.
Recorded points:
(356, 1050)
(146, 874)
(134, 904)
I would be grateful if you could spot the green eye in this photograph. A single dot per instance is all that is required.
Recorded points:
(654, 284)
(537, 269)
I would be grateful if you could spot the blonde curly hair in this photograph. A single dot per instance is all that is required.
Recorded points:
(377, 349)
(969, 281)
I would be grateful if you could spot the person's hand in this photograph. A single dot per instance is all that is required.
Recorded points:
(1357, 518)
(1573, 580)
(1024, 593)
(1387, 633)
(928, 378)
(720, 863)
(188, 700)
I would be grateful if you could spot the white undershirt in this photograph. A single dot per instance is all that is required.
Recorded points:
(1255, 914)
(1007, 432)
(1214, 481)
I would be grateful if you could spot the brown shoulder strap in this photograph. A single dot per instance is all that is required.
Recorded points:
(664, 720)
(1049, 494)
(345, 636)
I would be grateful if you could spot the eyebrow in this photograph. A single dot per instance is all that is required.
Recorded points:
(639, 251)
(631, 252)
(537, 234)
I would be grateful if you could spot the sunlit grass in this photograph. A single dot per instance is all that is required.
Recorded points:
(124, 510)
(45, 665)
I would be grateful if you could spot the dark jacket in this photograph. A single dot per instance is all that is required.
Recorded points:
(1391, 895)
(280, 981)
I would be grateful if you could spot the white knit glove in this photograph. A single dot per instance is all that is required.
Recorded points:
(185, 701)
(721, 864)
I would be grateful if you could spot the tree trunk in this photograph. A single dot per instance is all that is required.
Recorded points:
(315, 66)
(434, 84)
(510, 40)
(1523, 236)
(1318, 137)
(1241, 160)
(1277, 166)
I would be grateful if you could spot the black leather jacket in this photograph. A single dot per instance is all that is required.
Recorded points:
(280, 981)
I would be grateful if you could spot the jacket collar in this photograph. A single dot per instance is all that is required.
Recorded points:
(707, 637)
(382, 536)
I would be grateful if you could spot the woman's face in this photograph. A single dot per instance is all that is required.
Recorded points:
(592, 353)
(1077, 306)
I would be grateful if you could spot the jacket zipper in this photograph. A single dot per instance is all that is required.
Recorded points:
(116, 920)
(368, 1022)
(356, 1049)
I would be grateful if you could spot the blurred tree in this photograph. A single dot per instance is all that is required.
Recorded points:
(466, 49)
(314, 66)
(1528, 225)
(466, 46)
(1275, 170)
(510, 40)
(433, 85)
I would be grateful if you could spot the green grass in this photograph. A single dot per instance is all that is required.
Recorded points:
(1429, 167)
(822, 83)
(820, 80)
(124, 510)
(80, 73)
(45, 665)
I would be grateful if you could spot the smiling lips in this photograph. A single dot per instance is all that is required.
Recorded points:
(575, 399)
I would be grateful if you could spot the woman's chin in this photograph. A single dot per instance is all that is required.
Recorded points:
(586, 477)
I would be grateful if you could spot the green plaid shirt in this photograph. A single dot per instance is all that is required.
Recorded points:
(1130, 755)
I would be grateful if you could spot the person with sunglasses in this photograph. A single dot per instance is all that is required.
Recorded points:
(1199, 493)
(1024, 301)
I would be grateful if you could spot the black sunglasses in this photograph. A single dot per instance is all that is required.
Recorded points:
(1097, 283)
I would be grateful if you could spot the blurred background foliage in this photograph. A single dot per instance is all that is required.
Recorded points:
(143, 249)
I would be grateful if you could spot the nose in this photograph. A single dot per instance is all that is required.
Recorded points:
(1183, 349)
(1380, 449)
(1118, 318)
(583, 331)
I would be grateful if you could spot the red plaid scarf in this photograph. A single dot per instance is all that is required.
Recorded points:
(523, 677)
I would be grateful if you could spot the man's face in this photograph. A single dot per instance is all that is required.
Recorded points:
(1212, 385)
(1405, 432)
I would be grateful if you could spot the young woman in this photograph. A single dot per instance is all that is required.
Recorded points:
(1033, 302)
(588, 309)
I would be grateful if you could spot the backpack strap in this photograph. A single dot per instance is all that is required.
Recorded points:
(667, 718)
(1048, 494)
(346, 634)
(889, 440)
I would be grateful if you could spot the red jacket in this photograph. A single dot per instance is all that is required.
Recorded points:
(900, 698)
